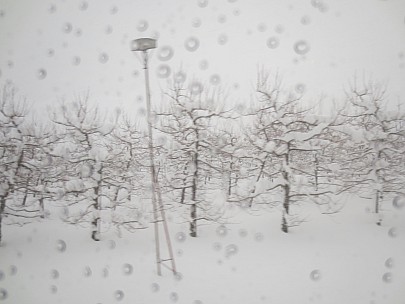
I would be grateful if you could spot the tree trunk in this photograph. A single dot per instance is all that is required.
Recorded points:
(2, 207)
(95, 233)
(286, 202)
(378, 195)
(193, 208)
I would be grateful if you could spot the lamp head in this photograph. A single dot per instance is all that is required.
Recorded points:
(143, 44)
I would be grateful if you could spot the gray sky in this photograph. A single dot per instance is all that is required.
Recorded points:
(54, 50)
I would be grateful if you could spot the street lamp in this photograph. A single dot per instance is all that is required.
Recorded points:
(143, 45)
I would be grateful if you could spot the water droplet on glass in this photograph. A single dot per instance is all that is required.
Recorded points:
(67, 28)
(301, 47)
(215, 79)
(217, 246)
(76, 60)
(316, 3)
(261, 27)
(203, 64)
(118, 295)
(103, 57)
(142, 25)
(243, 233)
(387, 277)
(52, 9)
(3, 294)
(78, 32)
(315, 275)
(191, 44)
(41, 74)
(197, 302)
(13, 270)
(105, 272)
(87, 271)
(174, 297)
(222, 231)
(50, 52)
(196, 22)
(155, 287)
(273, 42)
(61, 245)
(389, 263)
(196, 87)
(178, 276)
(127, 269)
(300, 88)
(259, 237)
(222, 39)
(279, 29)
(54, 289)
(165, 53)
(54, 274)
(231, 250)
(305, 20)
(180, 237)
(202, 3)
(163, 71)
(108, 29)
(179, 77)
(2, 13)
(113, 10)
(393, 232)
(398, 202)
(83, 6)
(221, 18)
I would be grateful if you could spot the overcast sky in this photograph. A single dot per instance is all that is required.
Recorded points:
(54, 50)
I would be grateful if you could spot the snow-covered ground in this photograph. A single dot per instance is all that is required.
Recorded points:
(340, 258)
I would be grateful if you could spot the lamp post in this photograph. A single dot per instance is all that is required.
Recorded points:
(143, 45)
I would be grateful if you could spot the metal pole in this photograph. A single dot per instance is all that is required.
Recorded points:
(152, 162)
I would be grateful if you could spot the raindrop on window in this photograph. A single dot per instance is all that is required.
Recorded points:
(389, 263)
(52, 9)
(191, 44)
(273, 42)
(54, 274)
(221, 18)
(393, 232)
(103, 57)
(113, 10)
(231, 250)
(279, 29)
(300, 88)
(118, 295)
(108, 29)
(105, 272)
(196, 22)
(398, 202)
(197, 302)
(127, 269)
(3, 294)
(61, 245)
(178, 276)
(78, 32)
(215, 79)
(50, 52)
(387, 277)
(165, 53)
(301, 47)
(323, 7)
(13, 270)
(163, 71)
(305, 20)
(180, 237)
(261, 27)
(259, 237)
(179, 77)
(243, 233)
(316, 3)
(2, 13)
(222, 39)
(236, 12)
(222, 231)
(2, 275)
(155, 287)
(41, 74)
(76, 60)
(174, 297)
(202, 3)
(217, 246)
(196, 87)
(142, 25)
(87, 272)
(67, 28)
(315, 275)
(83, 6)
(203, 64)
(54, 289)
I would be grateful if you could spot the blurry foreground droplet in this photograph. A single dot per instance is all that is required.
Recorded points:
(202, 3)
(393, 232)
(180, 237)
(222, 231)
(222, 39)
(61, 245)
(87, 271)
(217, 246)
(273, 42)
(3, 294)
(118, 295)
(142, 25)
(128, 269)
(2, 276)
(315, 275)
(178, 276)
(155, 287)
(387, 277)
(301, 47)
(215, 79)
(196, 87)
(165, 53)
(389, 263)
(67, 28)
(41, 74)
(103, 57)
(191, 44)
(163, 71)
(398, 202)
(54, 289)
(174, 297)
(300, 88)
(259, 237)
(231, 250)
(54, 274)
